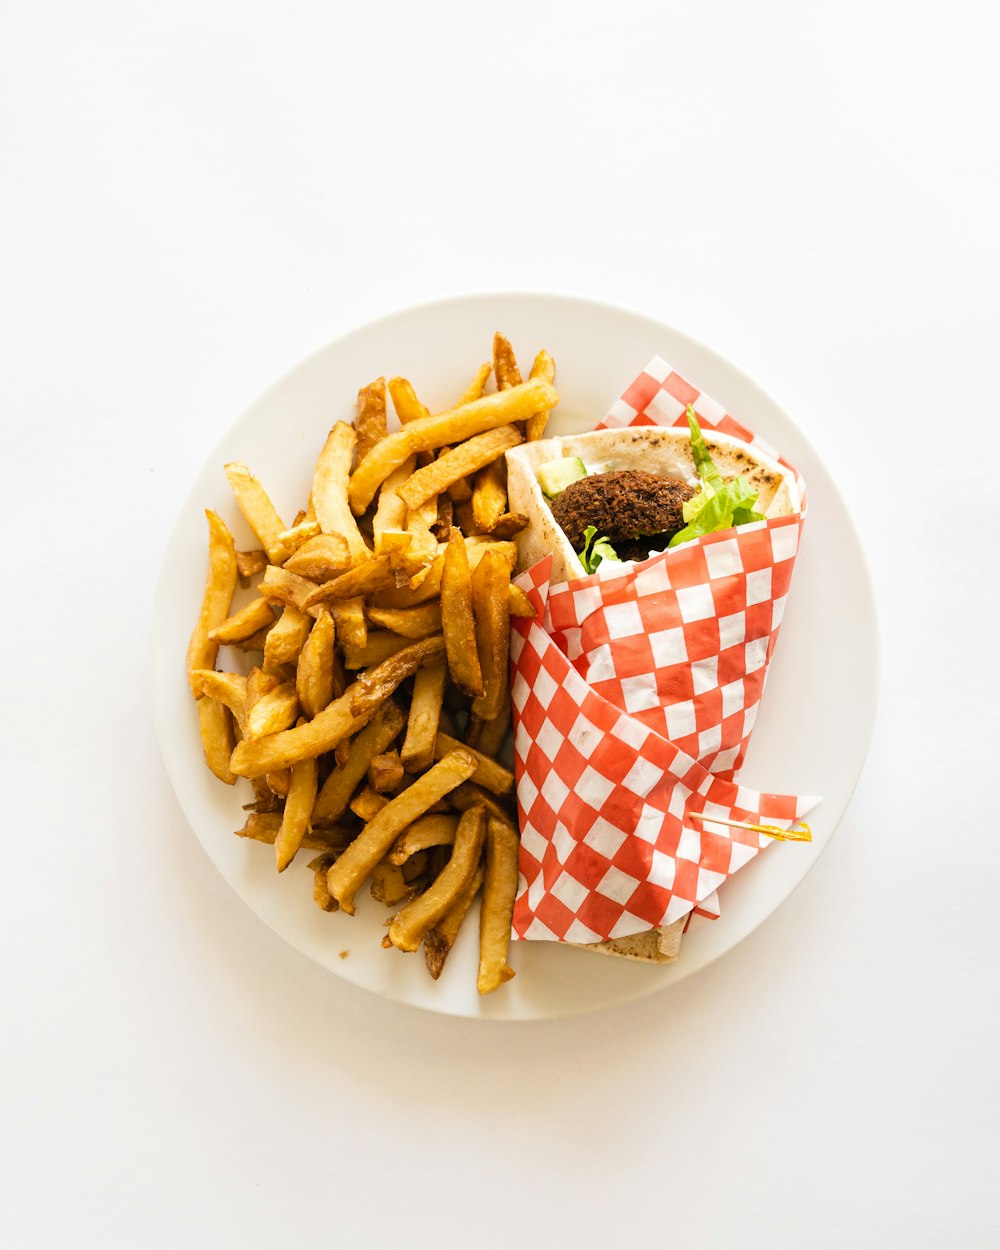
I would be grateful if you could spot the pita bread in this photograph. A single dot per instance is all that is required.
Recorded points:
(666, 452)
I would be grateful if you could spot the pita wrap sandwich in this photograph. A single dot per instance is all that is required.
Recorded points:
(619, 496)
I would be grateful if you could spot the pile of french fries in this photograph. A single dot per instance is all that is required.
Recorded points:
(376, 707)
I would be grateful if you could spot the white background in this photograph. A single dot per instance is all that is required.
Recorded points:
(197, 195)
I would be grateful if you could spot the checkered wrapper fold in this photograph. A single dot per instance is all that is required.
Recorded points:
(634, 697)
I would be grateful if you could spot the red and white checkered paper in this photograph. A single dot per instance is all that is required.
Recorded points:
(634, 697)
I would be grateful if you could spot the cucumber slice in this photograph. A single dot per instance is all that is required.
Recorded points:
(556, 475)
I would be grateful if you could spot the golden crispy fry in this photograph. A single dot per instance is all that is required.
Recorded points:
(441, 529)
(499, 889)
(544, 368)
(321, 558)
(469, 794)
(219, 587)
(285, 639)
(422, 549)
(329, 491)
(425, 832)
(319, 867)
(279, 782)
(427, 433)
(459, 492)
(518, 603)
(216, 728)
(425, 715)
(363, 579)
(376, 737)
(273, 711)
(504, 363)
(370, 421)
(389, 522)
(418, 622)
(374, 841)
(298, 809)
(389, 886)
(288, 589)
(466, 458)
(250, 564)
(478, 545)
(366, 804)
(385, 772)
(304, 742)
(259, 684)
(228, 688)
(265, 827)
(314, 676)
(409, 925)
(489, 772)
(490, 734)
(301, 532)
(510, 523)
(257, 615)
(352, 628)
(377, 684)
(411, 596)
(490, 583)
(477, 386)
(257, 509)
(381, 645)
(404, 400)
(254, 643)
(439, 940)
(489, 496)
(456, 615)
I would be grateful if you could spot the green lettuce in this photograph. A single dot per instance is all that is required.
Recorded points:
(596, 551)
(720, 504)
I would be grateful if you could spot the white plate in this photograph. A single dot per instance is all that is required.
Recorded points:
(815, 722)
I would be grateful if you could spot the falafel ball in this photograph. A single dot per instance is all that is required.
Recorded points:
(638, 512)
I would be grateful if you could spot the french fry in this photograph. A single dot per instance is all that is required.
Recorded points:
(285, 639)
(259, 684)
(374, 841)
(220, 585)
(425, 832)
(518, 603)
(418, 622)
(329, 490)
(279, 781)
(422, 549)
(314, 676)
(376, 737)
(425, 715)
(287, 589)
(489, 773)
(477, 386)
(499, 889)
(412, 596)
(459, 492)
(385, 772)
(427, 433)
(273, 712)
(363, 579)
(490, 734)
(441, 529)
(439, 940)
(377, 684)
(370, 421)
(457, 619)
(389, 521)
(298, 809)
(301, 532)
(254, 643)
(321, 558)
(388, 886)
(321, 734)
(545, 369)
(366, 804)
(319, 867)
(265, 827)
(409, 926)
(490, 584)
(250, 564)
(404, 400)
(379, 646)
(469, 794)
(468, 457)
(217, 738)
(352, 628)
(489, 496)
(509, 524)
(242, 625)
(229, 689)
(258, 511)
(504, 363)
